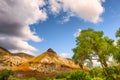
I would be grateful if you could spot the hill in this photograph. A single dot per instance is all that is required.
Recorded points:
(23, 55)
(9, 60)
(47, 64)
(48, 61)
(4, 51)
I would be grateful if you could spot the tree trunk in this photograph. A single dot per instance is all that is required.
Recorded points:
(104, 66)
(103, 63)
(81, 66)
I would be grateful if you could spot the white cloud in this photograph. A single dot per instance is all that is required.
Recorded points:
(67, 18)
(42, 3)
(15, 18)
(64, 55)
(115, 42)
(23, 51)
(16, 44)
(96, 63)
(89, 10)
(17, 15)
(54, 6)
(76, 34)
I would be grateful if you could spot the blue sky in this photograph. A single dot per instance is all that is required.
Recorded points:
(60, 36)
(33, 26)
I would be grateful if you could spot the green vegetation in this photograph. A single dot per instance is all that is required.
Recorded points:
(117, 54)
(75, 75)
(90, 45)
(5, 74)
(95, 73)
(23, 79)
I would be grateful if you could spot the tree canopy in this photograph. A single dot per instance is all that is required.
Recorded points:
(92, 45)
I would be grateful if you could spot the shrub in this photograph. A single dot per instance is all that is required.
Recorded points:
(96, 72)
(5, 74)
(62, 75)
(96, 78)
(78, 75)
(113, 73)
(74, 75)
(32, 78)
(14, 79)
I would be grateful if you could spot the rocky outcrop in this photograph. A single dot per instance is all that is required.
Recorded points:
(9, 60)
(14, 60)
(49, 61)
(46, 62)
(50, 50)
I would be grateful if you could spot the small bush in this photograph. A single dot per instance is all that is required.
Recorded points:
(74, 75)
(96, 72)
(14, 79)
(5, 74)
(113, 73)
(32, 78)
(97, 78)
(78, 75)
(62, 75)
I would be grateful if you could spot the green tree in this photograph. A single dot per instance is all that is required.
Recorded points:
(91, 43)
(117, 54)
(118, 33)
(84, 47)
(5, 74)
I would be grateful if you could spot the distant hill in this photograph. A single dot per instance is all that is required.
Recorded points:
(4, 51)
(23, 55)
(48, 61)
(9, 60)
(47, 64)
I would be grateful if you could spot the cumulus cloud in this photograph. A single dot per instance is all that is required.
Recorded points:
(17, 15)
(16, 44)
(15, 18)
(89, 10)
(42, 3)
(64, 55)
(67, 18)
(54, 6)
(76, 34)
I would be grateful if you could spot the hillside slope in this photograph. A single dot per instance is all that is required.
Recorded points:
(4, 51)
(9, 60)
(23, 55)
(48, 61)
